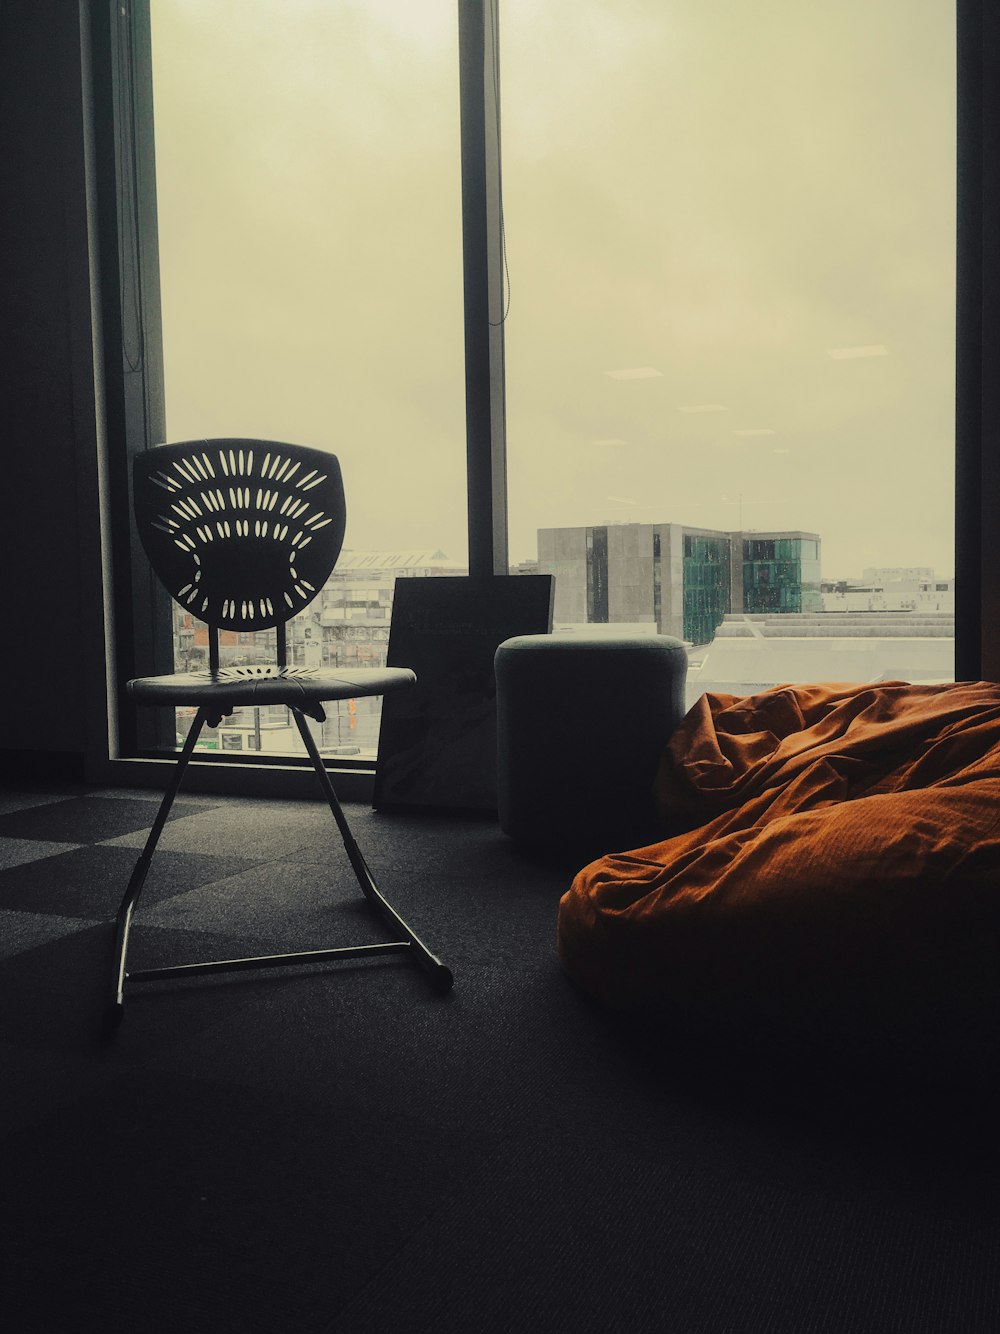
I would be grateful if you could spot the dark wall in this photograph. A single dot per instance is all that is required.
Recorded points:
(43, 330)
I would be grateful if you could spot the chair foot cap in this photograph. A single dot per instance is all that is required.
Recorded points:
(111, 1020)
(441, 979)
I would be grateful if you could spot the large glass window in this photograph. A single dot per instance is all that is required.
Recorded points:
(729, 234)
(731, 243)
(309, 219)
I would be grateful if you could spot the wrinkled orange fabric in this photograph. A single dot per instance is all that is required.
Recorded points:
(843, 867)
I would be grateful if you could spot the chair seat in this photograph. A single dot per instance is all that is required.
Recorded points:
(232, 687)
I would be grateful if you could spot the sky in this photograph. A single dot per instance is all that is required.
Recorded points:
(730, 244)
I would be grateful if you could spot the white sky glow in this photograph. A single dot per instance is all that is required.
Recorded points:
(746, 211)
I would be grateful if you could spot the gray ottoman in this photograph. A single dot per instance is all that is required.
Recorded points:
(581, 723)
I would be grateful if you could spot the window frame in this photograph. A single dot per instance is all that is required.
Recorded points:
(977, 344)
(124, 172)
(126, 297)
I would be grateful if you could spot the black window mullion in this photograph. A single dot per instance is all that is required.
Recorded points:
(482, 244)
(132, 341)
(977, 345)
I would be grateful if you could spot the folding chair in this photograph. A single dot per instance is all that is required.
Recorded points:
(244, 534)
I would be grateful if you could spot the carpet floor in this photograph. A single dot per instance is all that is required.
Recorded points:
(339, 1149)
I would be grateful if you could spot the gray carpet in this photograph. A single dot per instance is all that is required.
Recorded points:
(340, 1149)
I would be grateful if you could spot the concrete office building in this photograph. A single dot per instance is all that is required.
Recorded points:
(679, 579)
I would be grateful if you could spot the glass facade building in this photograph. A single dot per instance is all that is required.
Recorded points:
(682, 581)
(706, 585)
(781, 573)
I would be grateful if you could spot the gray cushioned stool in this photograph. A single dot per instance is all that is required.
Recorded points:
(581, 723)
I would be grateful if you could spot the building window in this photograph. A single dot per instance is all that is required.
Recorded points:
(597, 576)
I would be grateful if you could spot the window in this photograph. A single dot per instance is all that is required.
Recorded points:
(731, 244)
(730, 239)
(309, 228)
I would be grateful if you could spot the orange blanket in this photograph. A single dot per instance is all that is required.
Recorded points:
(843, 868)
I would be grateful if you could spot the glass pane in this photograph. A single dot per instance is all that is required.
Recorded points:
(730, 346)
(309, 209)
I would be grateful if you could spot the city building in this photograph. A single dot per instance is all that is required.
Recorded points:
(891, 589)
(347, 625)
(679, 579)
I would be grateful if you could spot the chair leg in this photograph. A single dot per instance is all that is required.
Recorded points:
(440, 976)
(123, 921)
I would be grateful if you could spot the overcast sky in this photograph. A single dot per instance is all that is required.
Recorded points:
(730, 236)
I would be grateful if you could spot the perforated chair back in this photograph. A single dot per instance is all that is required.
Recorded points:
(242, 533)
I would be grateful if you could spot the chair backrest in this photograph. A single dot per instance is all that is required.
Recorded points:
(242, 533)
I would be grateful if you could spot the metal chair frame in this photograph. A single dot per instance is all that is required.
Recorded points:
(167, 527)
